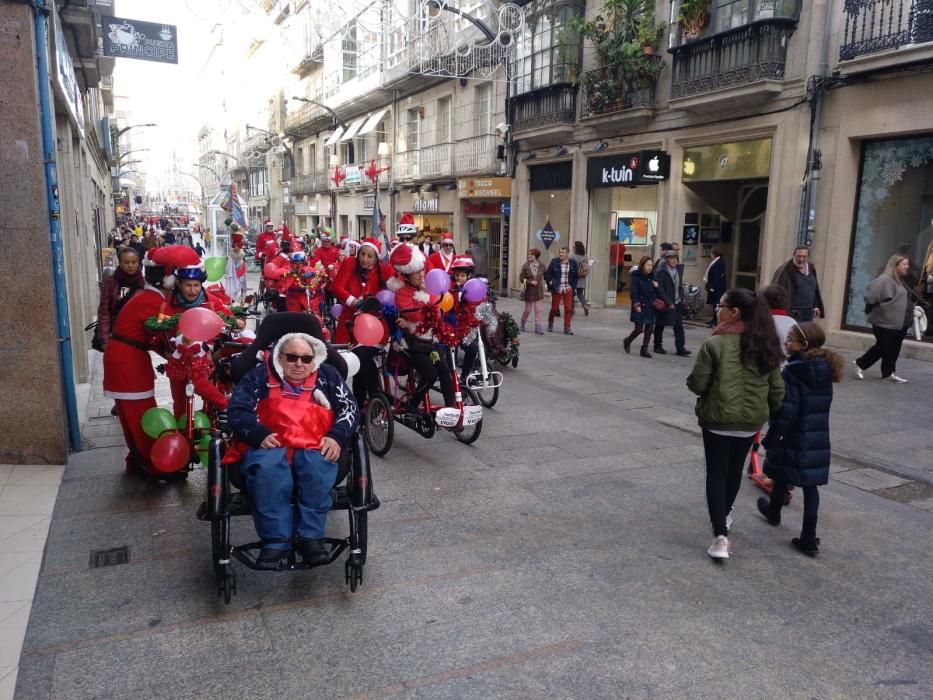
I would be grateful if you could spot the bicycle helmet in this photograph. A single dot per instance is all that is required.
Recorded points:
(463, 262)
(191, 273)
(298, 257)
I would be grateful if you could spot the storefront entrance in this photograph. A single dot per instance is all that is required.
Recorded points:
(753, 200)
(489, 232)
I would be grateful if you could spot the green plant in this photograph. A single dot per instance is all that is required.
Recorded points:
(694, 14)
(650, 32)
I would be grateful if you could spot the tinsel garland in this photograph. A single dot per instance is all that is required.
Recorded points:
(162, 322)
(229, 321)
(238, 311)
(444, 333)
(318, 280)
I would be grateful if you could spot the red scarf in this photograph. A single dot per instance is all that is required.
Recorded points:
(779, 312)
(737, 327)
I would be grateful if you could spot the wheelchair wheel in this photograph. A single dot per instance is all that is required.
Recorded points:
(378, 424)
(362, 534)
(487, 397)
(353, 572)
(220, 543)
(469, 433)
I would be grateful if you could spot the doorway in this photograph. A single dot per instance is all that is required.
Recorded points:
(489, 233)
(752, 204)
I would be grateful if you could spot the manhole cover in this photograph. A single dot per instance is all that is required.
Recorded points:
(110, 557)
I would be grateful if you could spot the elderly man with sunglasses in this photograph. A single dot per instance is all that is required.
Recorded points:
(293, 416)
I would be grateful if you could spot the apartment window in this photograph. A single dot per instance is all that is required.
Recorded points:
(484, 105)
(346, 152)
(350, 52)
(300, 160)
(443, 120)
(547, 50)
(362, 155)
(412, 133)
(312, 158)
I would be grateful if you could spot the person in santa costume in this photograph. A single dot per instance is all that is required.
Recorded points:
(285, 234)
(359, 279)
(274, 271)
(129, 377)
(266, 236)
(416, 308)
(444, 256)
(461, 270)
(303, 285)
(327, 253)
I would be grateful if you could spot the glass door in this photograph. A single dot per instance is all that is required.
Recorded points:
(753, 201)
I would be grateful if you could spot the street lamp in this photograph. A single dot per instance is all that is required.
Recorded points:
(340, 122)
(123, 155)
(134, 126)
(288, 152)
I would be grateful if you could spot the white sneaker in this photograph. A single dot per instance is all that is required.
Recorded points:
(720, 548)
(858, 371)
(894, 379)
(729, 521)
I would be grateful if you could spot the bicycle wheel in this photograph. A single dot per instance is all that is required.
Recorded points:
(488, 396)
(469, 433)
(378, 424)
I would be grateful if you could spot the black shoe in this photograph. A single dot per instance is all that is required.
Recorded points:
(658, 350)
(809, 547)
(269, 558)
(550, 328)
(114, 411)
(627, 345)
(683, 352)
(567, 331)
(644, 352)
(313, 551)
(764, 507)
(586, 310)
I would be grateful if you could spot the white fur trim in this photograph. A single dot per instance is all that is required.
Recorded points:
(351, 300)
(168, 282)
(393, 284)
(129, 395)
(367, 244)
(318, 349)
(416, 265)
(421, 295)
(320, 398)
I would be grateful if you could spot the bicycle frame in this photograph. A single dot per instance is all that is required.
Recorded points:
(484, 379)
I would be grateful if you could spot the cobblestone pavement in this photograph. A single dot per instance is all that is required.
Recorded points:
(562, 555)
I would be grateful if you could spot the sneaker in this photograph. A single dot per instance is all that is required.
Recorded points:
(720, 548)
(764, 507)
(538, 330)
(729, 521)
(894, 379)
(859, 374)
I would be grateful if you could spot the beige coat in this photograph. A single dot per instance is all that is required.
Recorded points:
(532, 292)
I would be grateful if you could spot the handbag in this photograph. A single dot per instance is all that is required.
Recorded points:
(659, 305)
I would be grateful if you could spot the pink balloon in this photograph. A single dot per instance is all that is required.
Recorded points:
(437, 282)
(200, 324)
(368, 330)
(170, 453)
(474, 290)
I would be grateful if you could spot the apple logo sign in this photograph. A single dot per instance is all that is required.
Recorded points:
(654, 165)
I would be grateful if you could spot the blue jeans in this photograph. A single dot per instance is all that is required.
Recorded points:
(271, 481)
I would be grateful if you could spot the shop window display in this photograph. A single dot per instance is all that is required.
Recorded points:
(894, 215)
(550, 207)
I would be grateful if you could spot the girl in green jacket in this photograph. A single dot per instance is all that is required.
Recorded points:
(738, 381)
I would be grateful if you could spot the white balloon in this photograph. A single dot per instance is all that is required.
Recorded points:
(353, 362)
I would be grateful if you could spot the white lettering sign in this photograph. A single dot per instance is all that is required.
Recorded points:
(616, 175)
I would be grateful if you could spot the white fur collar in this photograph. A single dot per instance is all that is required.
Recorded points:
(421, 295)
(319, 350)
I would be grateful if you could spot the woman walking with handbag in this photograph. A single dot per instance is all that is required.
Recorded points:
(644, 298)
(532, 277)
(889, 306)
(737, 378)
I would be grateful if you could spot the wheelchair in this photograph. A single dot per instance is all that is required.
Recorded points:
(227, 499)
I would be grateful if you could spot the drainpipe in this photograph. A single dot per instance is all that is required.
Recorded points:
(809, 191)
(41, 14)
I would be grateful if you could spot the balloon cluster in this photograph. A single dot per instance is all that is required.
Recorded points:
(171, 450)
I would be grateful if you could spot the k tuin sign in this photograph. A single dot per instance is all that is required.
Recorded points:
(628, 169)
(146, 41)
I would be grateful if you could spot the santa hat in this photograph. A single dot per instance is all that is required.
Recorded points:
(407, 260)
(406, 225)
(175, 257)
(447, 239)
(374, 244)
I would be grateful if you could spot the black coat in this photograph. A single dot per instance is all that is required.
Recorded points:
(667, 289)
(642, 293)
(552, 274)
(798, 436)
(716, 282)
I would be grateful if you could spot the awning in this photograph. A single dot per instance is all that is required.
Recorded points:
(352, 129)
(372, 121)
(334, 137)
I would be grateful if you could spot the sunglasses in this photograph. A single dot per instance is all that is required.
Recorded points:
(305, 359)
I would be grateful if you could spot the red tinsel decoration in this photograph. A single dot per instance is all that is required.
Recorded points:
(189, 367)
(451, 336)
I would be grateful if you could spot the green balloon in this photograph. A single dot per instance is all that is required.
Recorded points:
(157, 421)
(201, 421)
(215, 267)
(203, 443)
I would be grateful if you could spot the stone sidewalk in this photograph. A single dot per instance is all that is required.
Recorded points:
(562, 555)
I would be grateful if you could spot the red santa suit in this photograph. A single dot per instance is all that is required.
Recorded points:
(353, 284)
(129, 378)
(441, 260)
(327, 256)
(303, 287)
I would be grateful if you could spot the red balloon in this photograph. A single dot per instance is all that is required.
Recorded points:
(271, 271)
(170, 453)
(368, 330)
(200, 324)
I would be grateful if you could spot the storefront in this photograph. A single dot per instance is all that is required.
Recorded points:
(894, 214)
(624, 200)
(433, 212)
(486, 207)
(549, 194)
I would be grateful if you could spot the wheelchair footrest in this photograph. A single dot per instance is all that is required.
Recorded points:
(247, 553)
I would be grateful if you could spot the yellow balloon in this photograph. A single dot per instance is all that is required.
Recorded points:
(447, 302)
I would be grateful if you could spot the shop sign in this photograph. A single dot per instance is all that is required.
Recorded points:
(482, 208)
(369, 202)
(504, 262)
(547, 235)
(425, 205)
(146, 41)
(65, 79)
(491, 187)
(506, 209)
(353, 175)
(728, 161)
(628, 169)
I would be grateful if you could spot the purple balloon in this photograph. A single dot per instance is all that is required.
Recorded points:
(437, 282)
(336, 310)
(474, 290)
(385, 296)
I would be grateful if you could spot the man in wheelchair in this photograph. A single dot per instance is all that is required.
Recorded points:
(295, 415)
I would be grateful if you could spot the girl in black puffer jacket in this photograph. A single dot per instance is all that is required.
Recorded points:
(798, 437)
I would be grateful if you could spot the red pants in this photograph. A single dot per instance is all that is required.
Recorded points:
(202, 387)
(131, 420)
(555, 305)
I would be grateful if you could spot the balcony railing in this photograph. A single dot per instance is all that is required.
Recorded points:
(310, 184)
(880, 25)
(305, 114)
(606, 91)
(476, 155)
(756, 51)
(547, 106)
(406, 164)
(437, 161)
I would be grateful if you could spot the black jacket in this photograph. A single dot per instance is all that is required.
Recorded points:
(797, 442)
(716, 282)
(643, 293)
(667, 290)
(784, 277)
(552, 274)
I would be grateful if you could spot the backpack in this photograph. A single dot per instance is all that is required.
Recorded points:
(583, 269)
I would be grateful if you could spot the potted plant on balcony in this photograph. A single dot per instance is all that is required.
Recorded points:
(650, 34)
(693, 16)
